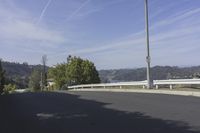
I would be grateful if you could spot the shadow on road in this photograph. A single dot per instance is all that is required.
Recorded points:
(66, 113)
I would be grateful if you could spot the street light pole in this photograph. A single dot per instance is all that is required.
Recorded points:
(148, 59)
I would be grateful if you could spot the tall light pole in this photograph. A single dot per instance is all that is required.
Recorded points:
(148, 59)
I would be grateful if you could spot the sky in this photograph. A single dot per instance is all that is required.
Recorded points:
(110, 33)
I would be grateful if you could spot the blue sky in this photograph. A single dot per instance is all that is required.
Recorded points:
(111, 33)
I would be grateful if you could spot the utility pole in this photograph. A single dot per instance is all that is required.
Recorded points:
(148, 58)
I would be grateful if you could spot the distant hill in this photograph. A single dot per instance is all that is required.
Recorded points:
(18, 74)
(158, 73)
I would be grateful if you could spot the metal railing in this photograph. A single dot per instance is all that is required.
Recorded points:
(104, 85)
(156, 83)
(172, 82)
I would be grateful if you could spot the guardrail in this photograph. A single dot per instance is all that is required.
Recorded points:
(21, 90)
(172, 82)
(104, 85)
(156, 83)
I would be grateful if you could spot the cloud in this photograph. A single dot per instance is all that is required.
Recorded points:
(17, 27)
(85, 9)
(172, 34)
(177, 17)
(177, 38)
(77, 10)
(166, 35)
(43, 11)
(24, 30)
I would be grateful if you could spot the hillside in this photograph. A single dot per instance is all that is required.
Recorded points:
(158, 73)
(19, 73)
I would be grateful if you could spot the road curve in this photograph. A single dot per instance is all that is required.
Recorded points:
(98, 112)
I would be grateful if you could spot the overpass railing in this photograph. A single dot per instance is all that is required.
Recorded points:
(156, 83)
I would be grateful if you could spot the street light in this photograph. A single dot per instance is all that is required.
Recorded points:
(148, 59)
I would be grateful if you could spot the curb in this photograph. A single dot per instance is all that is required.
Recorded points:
(168, 92)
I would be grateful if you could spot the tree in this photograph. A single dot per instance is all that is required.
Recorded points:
(34, 82)
(81, 71)
(58, 74)
(44, 73)
(2, 78)
(75, 71)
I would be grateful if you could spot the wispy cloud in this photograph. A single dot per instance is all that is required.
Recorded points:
(91, 9)
(17, 29)
(178, 17)
(138, 38)
(103, 38)
(43, 12)
(77, 10)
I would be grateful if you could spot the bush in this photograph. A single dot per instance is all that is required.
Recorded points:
(10, 88)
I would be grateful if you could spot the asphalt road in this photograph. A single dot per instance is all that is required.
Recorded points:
(98, 112)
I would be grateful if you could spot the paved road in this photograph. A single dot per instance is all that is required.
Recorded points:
(98, 112)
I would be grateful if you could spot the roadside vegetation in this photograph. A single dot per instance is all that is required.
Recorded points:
(2, 78)
(80, 71)
(5, 88)
(34, 80)
(73, 72)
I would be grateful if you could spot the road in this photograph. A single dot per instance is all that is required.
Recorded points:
(98, 112)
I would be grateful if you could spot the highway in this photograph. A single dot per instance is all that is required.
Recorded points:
(98, 112)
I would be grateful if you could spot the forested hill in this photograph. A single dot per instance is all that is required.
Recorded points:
(19, 73)
(158, 73)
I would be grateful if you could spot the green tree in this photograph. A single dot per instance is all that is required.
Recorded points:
(75, 71)
(58, 74)
(9, 88)
(90, 74)
(34, 82)
(2, 78)
(44, 73)
(81, 71)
